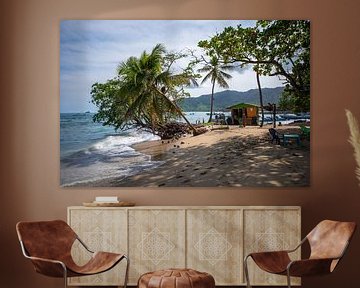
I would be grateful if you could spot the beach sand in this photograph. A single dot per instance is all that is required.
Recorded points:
(240, 157)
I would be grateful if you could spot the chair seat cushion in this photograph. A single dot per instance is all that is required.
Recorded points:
(99, 262)
(176, 278)
(272, 262)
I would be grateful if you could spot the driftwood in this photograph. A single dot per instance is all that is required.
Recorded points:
(175, 130)
(200, 130)
(172, 130)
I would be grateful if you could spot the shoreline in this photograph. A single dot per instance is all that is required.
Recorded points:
(236, 157)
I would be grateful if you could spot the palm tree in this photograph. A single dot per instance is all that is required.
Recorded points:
(151, 88)
(216, 75)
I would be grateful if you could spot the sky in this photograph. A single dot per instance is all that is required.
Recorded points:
(91, 50)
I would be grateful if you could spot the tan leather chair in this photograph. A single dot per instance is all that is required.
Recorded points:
(48, 245)
(328, 242)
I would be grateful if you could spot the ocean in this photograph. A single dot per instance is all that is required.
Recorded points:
(91, 152)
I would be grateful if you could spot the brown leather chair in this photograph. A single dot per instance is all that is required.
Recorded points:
(328, 242)
(48, 245)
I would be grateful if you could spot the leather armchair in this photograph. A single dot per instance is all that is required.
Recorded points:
(328, 242)
(48, 245)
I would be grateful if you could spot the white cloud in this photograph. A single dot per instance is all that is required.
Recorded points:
(92, 49)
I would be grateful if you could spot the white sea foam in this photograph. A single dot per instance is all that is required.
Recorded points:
(97, 172)
(111, 157)
(123, 142)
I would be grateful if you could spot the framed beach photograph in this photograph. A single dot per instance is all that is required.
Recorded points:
(185, 103)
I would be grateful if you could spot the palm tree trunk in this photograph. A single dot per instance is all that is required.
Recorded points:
(261, 99)
(183, 116)
(179, 111)
(274, 115)
(212, 101)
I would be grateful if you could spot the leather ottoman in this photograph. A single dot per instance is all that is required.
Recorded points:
(176, 278)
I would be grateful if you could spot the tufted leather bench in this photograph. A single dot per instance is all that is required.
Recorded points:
(176, 278)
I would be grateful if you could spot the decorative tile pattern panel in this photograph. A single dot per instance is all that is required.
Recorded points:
(270, 230)
(213, 246)
(156, 246)
(214, 241)
(156, 241)
(210, 239)
(100, 230)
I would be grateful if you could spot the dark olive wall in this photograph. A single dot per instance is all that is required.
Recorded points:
(29, 119)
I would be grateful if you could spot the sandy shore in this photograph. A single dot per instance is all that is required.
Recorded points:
(233, 157)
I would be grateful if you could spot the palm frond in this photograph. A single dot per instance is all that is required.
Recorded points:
(138, 105)
(206, 68)
(193, 82)
(225, 75)
(207, 77)
(158, 50)
(164, 77)
(222, 82)
(354, 139)
(228, 67)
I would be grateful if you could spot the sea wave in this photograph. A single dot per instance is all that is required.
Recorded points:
(113, 145)
(119, 142)
(110, 157)
(111, 174)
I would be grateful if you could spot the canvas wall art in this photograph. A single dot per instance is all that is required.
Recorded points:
(185, 103)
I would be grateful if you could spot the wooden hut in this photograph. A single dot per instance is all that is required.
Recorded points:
(244, 114)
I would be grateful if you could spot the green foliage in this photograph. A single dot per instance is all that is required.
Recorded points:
(291, 101)
(274, 48)
(112, 107)
(144, 93)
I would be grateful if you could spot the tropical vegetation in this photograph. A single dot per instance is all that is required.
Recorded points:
(148, 90)
(274, 48)
(145, 93)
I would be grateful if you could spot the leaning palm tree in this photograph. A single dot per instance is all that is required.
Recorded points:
(214, 69)
(151, 88)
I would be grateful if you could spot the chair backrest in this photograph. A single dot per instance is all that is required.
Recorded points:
(305, 131)
(329, 239)
(273, 132)
(46, 239)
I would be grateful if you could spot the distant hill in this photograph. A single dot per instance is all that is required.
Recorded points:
(230, 97)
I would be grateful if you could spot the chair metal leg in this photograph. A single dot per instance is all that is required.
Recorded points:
(65, 275)
(288, 278)
(126, 271)
(246, 270)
